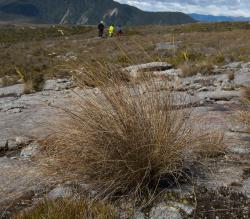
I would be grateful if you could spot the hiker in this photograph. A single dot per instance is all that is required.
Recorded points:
(119, 31)
(101, 28)
(111, 30)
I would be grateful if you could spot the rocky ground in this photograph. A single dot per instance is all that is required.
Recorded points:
(26, 120)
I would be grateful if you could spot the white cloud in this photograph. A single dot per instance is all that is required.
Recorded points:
(213, 7)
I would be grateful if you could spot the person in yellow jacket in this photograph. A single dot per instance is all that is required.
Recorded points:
(111, 30)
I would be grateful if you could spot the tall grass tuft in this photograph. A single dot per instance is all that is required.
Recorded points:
(127, 139)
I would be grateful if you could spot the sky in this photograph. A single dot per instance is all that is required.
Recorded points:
(213, 7)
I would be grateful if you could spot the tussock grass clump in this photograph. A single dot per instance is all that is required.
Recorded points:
(126, 140)
(191, 69)
(32, 80)
(211, 145)
(97, 74)
(66, 209)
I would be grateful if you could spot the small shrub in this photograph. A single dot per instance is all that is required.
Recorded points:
(66, 209)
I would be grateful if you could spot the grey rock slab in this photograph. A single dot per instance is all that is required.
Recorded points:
(239, 149)
(172, 73)
(163, 211)
(17, 178)
(233, 65)
(219, 95)
(12, 144)
(228, 86)
(242, 77)
(3, 144)
(245, 65)
(50, 85)
(60, 192)
(37, 117)
(23, 140)
(138, 215)
(30, 151)
(223, 176)
(13, 106)
(152, 66)
(15, 110)
(186, 208)
(195, 86)
(58, 85)
(246, 187)
(14, 90)
(67, 57)
(202, 89)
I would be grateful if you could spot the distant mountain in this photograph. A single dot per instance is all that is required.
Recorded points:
(211, 18)
(84, 12)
